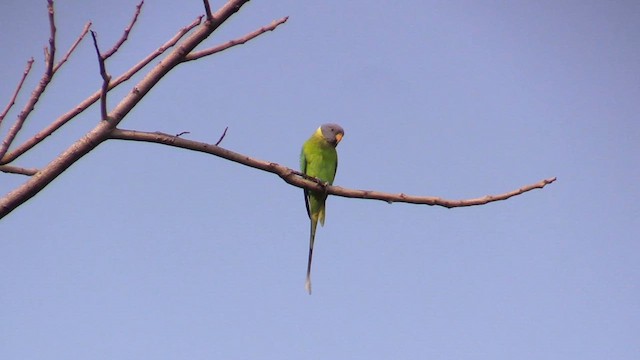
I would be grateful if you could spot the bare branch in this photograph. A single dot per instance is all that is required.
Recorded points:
(297, 179)
(50, 54)
(207, 9)
(37, 92)
(224, 133)
(172, 60)
(105, 78)
(42, 85)
(62, 120)
(430, 200)
(102, 130)
(17, 170)
(15, 93)
(202, 53)
(64, 59)
(125, 35)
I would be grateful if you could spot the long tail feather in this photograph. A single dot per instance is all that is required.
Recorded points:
(312, 236)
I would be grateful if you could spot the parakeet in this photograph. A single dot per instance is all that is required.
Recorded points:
(319, 159)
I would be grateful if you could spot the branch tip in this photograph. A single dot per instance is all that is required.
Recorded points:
(239, 41)
(10, 169)
(125, 34)
(224, 133)
(12, 101)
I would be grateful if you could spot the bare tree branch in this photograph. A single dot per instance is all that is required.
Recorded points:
(50, 54)
(102, 130)
(300, 180)
(17, 170)
(42, 85)
(64, 59)
(62, 120)
(125, 35)
(202, 53)
(15, 93)
(105, 78)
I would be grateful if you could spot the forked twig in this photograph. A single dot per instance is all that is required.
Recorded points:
(101, 131)
(105, 79)
(42, 85)
(202, 53)
(63, 119)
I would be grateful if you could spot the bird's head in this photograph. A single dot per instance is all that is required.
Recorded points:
(332, 133)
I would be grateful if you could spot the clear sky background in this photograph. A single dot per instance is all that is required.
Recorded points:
(141, 251)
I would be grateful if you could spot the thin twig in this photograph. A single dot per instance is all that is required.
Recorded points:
(50, 54)
(294, 177)
(207, 9)
(202, 53)
(182, 133)
(224, 133)
(63, 119)
(75, 44)
(17, 170)
(125, 35)
(15, 93)
(105, 79)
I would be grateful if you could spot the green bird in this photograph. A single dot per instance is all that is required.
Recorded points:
(319, 159)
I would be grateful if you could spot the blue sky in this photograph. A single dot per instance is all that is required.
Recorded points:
(144, 251)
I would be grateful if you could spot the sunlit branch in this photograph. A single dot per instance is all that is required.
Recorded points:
(63, 119)
(15, 93)
(198, 54)
(75, 44)
(42, 85)
(51, 52)
(17, 170)
(297, 179)
(40, 88)
(101, 131)
(125, 34)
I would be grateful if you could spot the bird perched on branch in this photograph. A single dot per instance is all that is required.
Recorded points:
(319, 159)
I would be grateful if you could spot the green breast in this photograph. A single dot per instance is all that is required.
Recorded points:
(321, 159)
